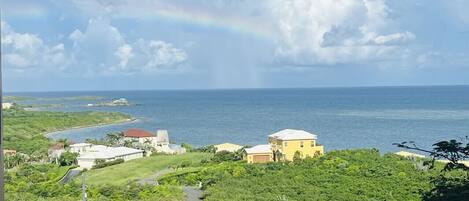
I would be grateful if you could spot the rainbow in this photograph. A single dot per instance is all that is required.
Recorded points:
(209, 19)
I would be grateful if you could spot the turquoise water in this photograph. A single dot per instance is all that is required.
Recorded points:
(341, 117)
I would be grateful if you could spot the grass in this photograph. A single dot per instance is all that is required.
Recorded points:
(139, 168)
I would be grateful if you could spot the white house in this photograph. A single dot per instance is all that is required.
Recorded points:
(80, 147)
(160, 141)
(6, 106)
(140, 136)
(228, 147)
(88, 158)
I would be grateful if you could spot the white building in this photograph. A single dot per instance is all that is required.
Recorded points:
(87, 159)
(7, 106)
(80, 147)
(228, 147)
(160, 141)
(140, 136)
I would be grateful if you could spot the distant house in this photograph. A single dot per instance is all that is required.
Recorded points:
(283, 146)
(287, 142)
(259, 154)
(160, 141)
(140, 136)
(88, 158)
(409, 155)
(56, 150)
(7, 106)
(228, 147)
(9, 152)
(80, 147)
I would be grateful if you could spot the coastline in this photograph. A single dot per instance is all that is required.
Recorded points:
(124, 121)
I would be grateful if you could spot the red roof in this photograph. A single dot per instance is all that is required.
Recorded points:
(133, 132)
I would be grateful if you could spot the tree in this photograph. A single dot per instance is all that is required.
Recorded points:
(297, 156)
(188, 147)
(113, 138)
(454, 151)
(65, 142)
(446, 188)
(68, 158)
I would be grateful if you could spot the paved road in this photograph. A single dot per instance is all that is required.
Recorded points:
(70, 174)
(193, 193)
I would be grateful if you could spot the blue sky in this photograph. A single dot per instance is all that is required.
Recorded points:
(181, 44)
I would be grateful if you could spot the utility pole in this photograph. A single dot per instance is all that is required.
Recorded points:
(83, 185)
(2, 168)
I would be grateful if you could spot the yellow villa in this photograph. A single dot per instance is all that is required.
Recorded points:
(283, 145)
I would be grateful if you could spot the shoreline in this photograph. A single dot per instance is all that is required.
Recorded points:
(124, 121)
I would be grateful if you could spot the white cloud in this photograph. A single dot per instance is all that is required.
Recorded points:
(330, 32)
(161, 54)
(395, 38)
(124, 53)
(25, 50)
(102, 49)
(75, 35)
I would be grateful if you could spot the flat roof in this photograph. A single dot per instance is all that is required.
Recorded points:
(292, 134)
(80, 144)
(104, 152)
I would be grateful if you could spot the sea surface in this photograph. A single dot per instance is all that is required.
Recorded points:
(366, 117)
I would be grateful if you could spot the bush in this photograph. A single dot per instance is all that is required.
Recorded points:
(225, 156)
(109, 163)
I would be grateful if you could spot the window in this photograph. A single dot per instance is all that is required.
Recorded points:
(285, 144)
(312, 143)
(301, 144)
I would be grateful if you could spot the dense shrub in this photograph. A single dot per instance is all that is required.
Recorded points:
(109, 163)
(338, 175)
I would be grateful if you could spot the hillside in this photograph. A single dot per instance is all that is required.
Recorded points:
(142, 168)
(24, 130)
(339, 175)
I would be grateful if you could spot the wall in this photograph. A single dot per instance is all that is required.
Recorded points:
(295, 145)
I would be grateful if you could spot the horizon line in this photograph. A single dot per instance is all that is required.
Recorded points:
(240, 88)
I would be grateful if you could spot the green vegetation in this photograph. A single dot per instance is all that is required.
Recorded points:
(39, 182)
(102, 164)
(339, 175)
(71, 98)
(447, 186)
(141, 168)
(24, 130)
(16, 98)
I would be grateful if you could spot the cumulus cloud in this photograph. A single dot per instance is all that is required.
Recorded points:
(160, 54)
(330, 32)
(25, 50)
(102, 48)
(124, 53)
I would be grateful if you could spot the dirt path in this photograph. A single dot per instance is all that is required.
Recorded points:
(193, 193)
(152, 179)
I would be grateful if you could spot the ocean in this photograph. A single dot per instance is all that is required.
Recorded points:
(343, 118)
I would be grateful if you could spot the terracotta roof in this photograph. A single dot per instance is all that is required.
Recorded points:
(133, 132)
(57, 146)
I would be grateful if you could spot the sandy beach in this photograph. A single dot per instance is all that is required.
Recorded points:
(125, 121)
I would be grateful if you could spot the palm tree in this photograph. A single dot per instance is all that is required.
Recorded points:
(65, 142)
(113, 138)
(128, 143)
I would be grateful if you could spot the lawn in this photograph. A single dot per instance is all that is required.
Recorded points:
(139, 168)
